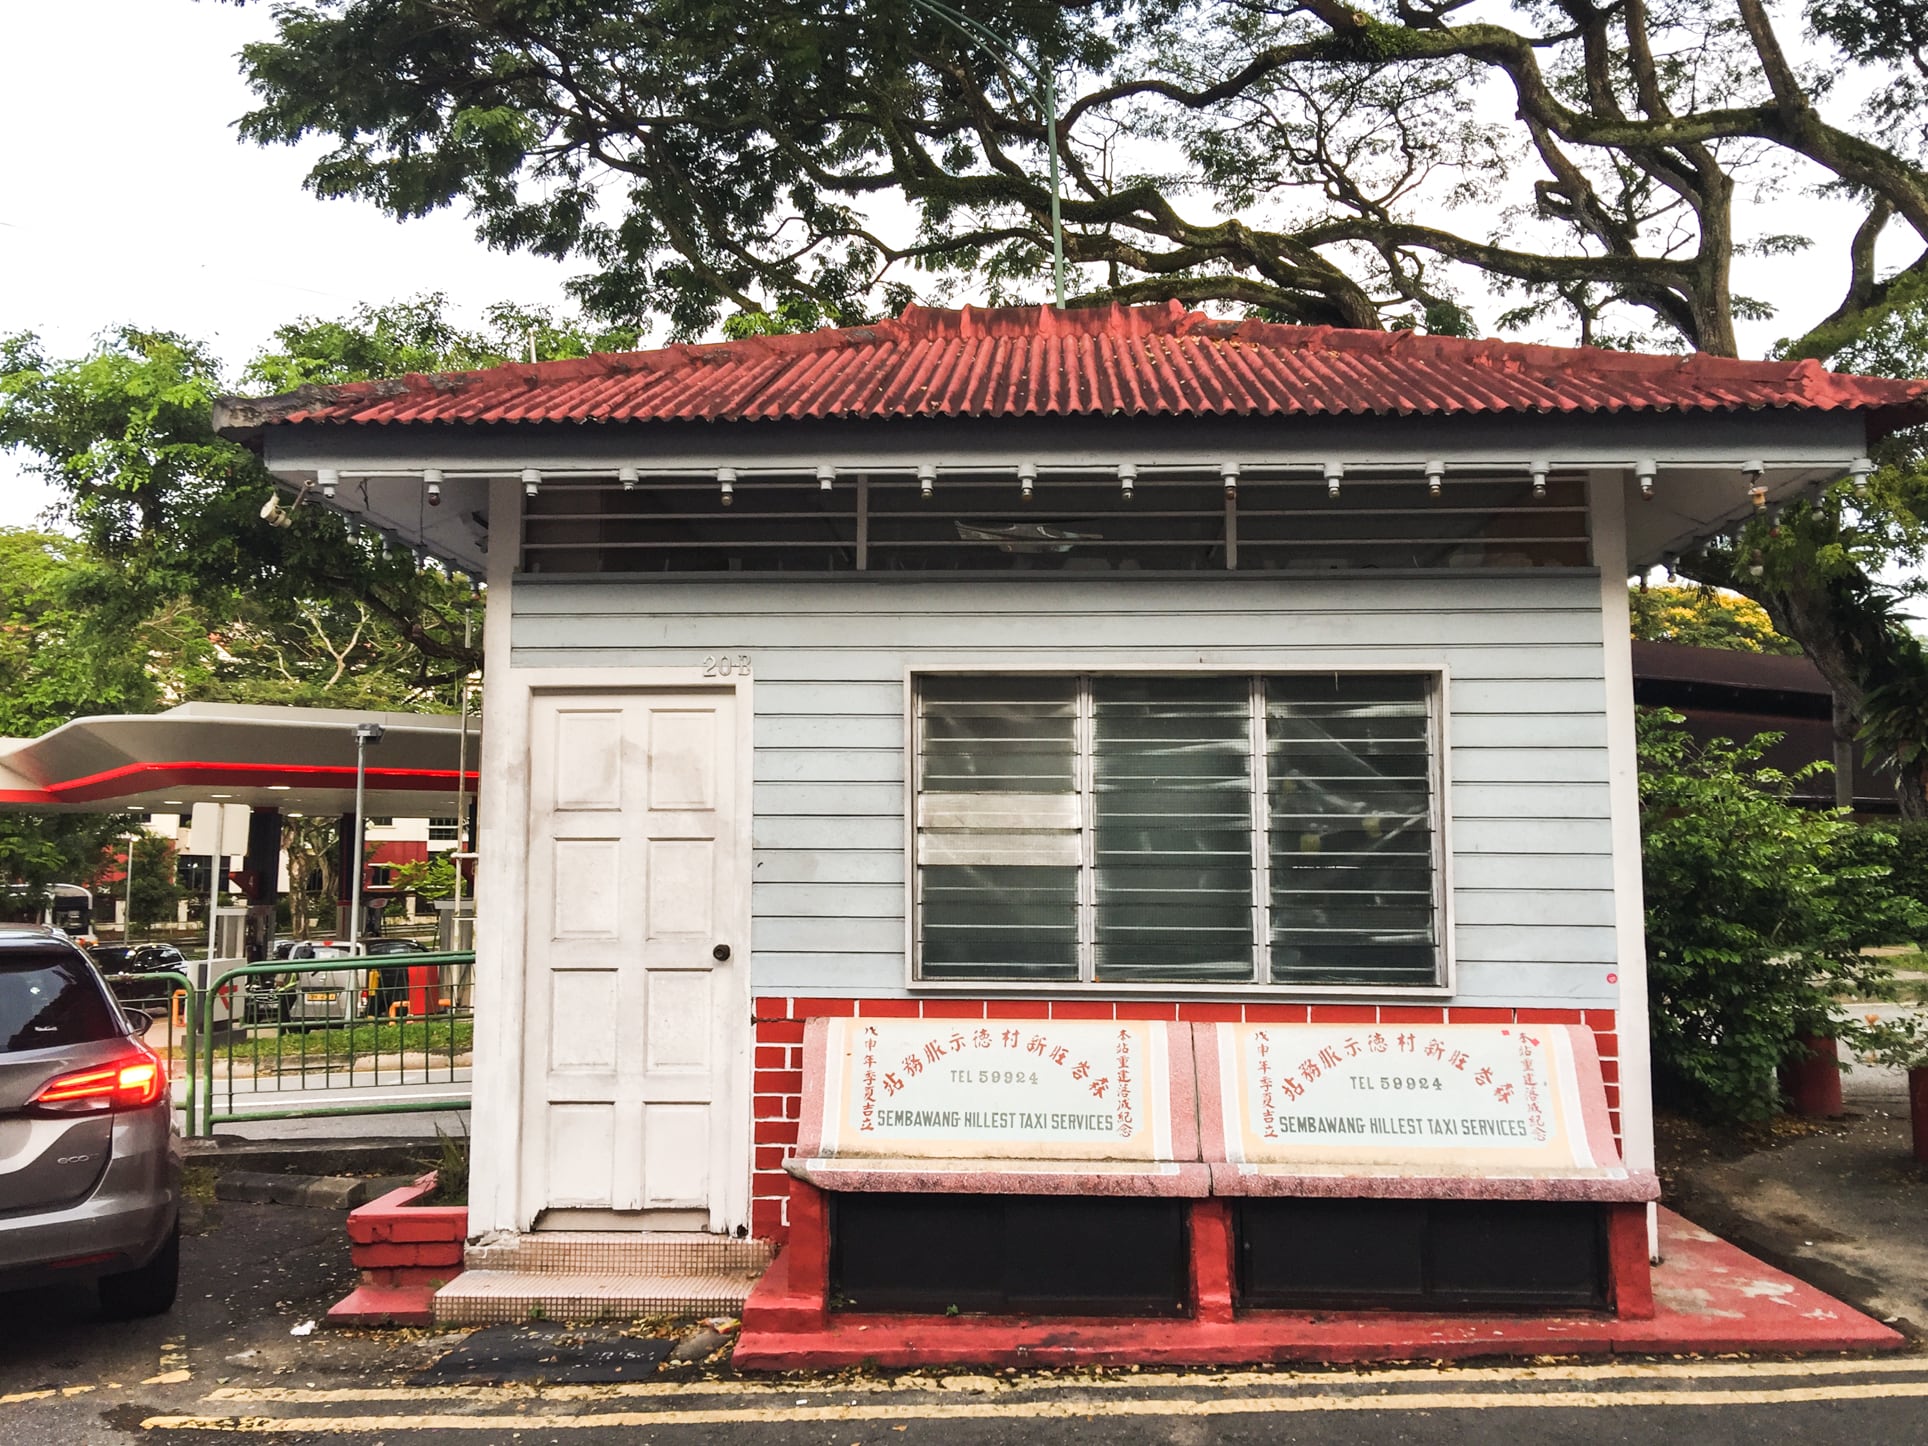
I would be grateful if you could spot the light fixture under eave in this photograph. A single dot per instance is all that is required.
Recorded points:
(1646, 469)
(826, 479)
(1538, 468)
(1756, 489)
(629, 477)
(432, 476)
(1861, 469)
(1127, 479)
(1334, 474)
(926, 481)
(726, 485)
(329, 479)
(531, 481)
(1027, 480)
(1435, 477)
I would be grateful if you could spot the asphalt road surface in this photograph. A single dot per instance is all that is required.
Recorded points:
(227, 1366)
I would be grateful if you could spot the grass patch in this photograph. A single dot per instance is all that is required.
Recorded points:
(289, 1047)
(197, 1183)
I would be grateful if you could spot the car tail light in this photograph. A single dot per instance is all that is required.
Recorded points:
(135, 1079)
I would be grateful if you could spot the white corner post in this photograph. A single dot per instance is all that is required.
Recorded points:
(501, 845)
(1607, 504)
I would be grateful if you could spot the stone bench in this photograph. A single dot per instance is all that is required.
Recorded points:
(1439, 1111)
(1037, 1107)
(1220, 1117)
(1458, 1116)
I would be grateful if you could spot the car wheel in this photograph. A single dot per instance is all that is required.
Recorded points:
(147, 1291)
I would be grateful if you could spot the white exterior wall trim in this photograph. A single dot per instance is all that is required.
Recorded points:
(1608, 502)
(501, 886)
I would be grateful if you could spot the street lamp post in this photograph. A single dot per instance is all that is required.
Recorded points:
(1042, 77)
(365, 734)
(127, 924)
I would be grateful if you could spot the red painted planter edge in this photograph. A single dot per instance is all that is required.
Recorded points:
(365, 1221)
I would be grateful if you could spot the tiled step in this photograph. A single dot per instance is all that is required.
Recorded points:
(613, 1252)
(497, 1297)
(596, 1275)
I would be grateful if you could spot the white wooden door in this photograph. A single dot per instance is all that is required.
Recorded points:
(635, 1024)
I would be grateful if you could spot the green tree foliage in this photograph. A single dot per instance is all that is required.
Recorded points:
(156, 895)
(1360, 164)
(431, 878)
(55, 659)
(1704, 617)
(312, 849)
(38, 849)
(172, 512)
(1757, 910)
(417, 335)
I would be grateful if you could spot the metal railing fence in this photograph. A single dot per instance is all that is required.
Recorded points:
(357, 1028)
(301, 1038)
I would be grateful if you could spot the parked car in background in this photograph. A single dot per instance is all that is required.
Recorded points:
(334, 996)
(137, 958)
(155, 996)
(91, 1169)
(393, 946)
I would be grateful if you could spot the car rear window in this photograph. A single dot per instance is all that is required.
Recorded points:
(49, 999)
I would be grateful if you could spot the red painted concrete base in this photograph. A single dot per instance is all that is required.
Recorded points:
(378, 1305)
(1707, 1295)
(1812, 1082)
(406, 1252)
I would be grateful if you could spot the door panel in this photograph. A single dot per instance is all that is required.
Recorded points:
(633, 1021)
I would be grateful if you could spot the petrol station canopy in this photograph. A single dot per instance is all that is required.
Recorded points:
(299, 760)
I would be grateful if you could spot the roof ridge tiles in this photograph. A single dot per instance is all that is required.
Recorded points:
(1103, 359)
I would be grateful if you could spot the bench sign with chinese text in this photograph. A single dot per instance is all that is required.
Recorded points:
(1445, 1098)
(997, 1089)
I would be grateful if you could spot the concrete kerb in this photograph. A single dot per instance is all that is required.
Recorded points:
(380, 1156)
(315, 1192)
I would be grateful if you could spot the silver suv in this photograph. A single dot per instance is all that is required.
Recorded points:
(90, 1164)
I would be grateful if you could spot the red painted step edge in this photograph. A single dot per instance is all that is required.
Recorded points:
(405, 1252)
(385, 1305)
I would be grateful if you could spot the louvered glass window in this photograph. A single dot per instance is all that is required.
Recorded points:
(1177, 829)
(1171, 795)
(999, 828)
(1349, 777)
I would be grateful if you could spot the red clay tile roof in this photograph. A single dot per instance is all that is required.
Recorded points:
(1151, 360)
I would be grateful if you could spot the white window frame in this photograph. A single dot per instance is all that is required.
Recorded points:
(1439, 715)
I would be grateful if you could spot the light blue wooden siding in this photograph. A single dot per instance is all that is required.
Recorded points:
(1533, 881)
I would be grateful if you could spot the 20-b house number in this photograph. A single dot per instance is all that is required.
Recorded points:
(726, 665)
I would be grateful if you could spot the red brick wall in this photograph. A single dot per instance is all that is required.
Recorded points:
(777, 1083)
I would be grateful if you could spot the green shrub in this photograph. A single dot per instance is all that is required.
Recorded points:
(1757, 910)
(1910, 858)
(452, 1169)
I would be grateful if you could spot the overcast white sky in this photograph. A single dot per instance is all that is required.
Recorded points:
(125, 197)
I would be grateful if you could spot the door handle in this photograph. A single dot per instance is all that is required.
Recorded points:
(720, 953)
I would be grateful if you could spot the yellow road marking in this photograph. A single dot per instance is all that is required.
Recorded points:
(19, 1396)
(1628, 1370)
(1059, 1410)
